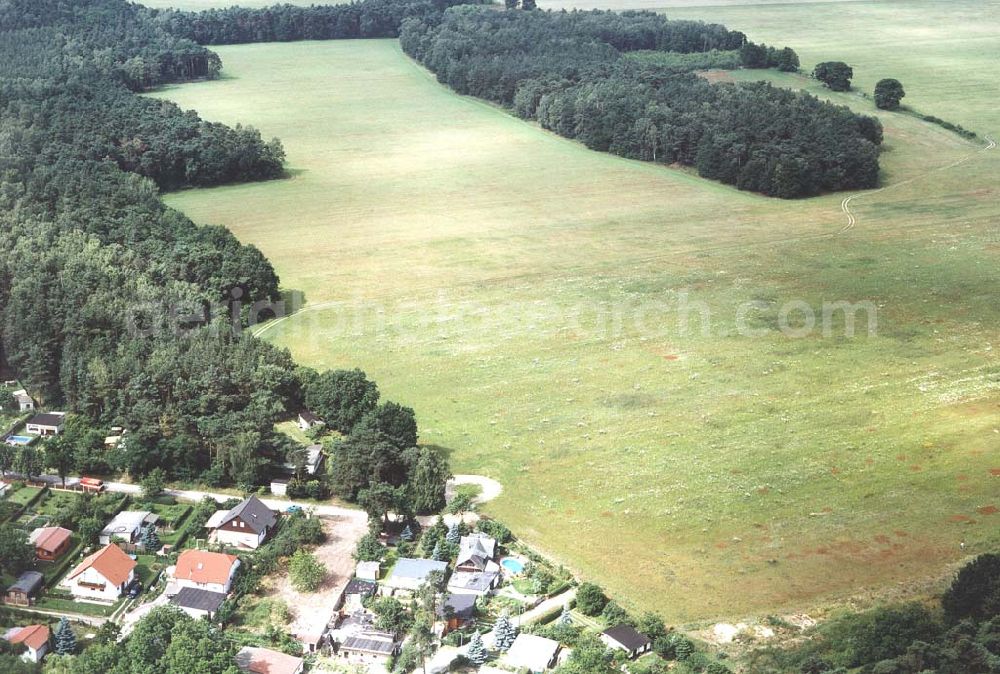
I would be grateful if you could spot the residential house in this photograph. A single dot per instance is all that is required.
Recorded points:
(309, 420)
(351, 624)
(46, 423)
(203, 570)
(456, 611)
(247, 525)
(534, 653)
(103, 576)
(34, 638)
(473, 582)
(198, 603)
(368, 647)
(409, 574)
(312, 460)
(476, 553)
(254, 660)
(368, 570)
(279, 487)
(24, 402)
(356, 591)
(50, 542)
(127, 526)
(24, 589)
(626, 638)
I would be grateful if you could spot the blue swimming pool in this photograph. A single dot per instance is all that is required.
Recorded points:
(513, 565)
(19, 439)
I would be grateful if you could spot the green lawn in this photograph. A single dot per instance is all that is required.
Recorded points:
(527, 298)
(24, 495)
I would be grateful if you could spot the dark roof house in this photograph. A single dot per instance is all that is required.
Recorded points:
(253, 513)
(21, 591)
(198, 602)
(626, 638)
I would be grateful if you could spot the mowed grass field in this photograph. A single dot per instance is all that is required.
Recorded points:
(529, 298)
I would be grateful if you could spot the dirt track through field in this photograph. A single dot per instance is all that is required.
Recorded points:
(852, 219)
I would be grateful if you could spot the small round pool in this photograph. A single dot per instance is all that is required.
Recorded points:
(512, 564)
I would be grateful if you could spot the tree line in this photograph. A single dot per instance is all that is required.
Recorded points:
(113, 306)
(566, 70)
(285, 23)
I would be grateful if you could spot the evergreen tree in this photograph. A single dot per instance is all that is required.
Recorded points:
(150, 539)
(438, 554)
(65, 639)
(454, 534)
(407, 534)
(477, 651)
(504, 633)
(565, 618)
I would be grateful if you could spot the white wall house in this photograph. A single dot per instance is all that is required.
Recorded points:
(46, 423)
(203, 570)
(103, 576)
(245, 526)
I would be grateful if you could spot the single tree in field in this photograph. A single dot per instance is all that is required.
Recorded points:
(590, 599)
(477, 651)
(788, 60)
(888, 94)
(836, 75)
(306, 571)
(65, 639)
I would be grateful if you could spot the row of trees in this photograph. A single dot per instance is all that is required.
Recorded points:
(284, 23)
(565, 70)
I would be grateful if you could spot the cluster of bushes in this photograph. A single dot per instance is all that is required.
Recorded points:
(566, 71)
(960, 636)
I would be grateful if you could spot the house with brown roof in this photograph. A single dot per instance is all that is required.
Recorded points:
(34, 638)
(103, 576)
(204, 570)
(254, 660)
(50, 542)
(247, 525)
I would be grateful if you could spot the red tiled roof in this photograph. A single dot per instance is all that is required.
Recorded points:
(50, 538)
(201, 566)
(110, 562)
(32, 636)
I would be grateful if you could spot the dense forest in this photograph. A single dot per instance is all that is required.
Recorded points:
(567, 71)
(113, 306)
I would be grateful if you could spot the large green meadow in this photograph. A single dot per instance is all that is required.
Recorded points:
(569, 322)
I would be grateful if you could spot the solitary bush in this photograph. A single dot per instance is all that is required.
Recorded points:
(590, 599)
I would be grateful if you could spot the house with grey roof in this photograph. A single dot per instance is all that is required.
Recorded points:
(247, 525)
(24, 589)
(409, 574)
(476, 553)
(474, 583)
(369, 647)
(127, 526)
(198, 603)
